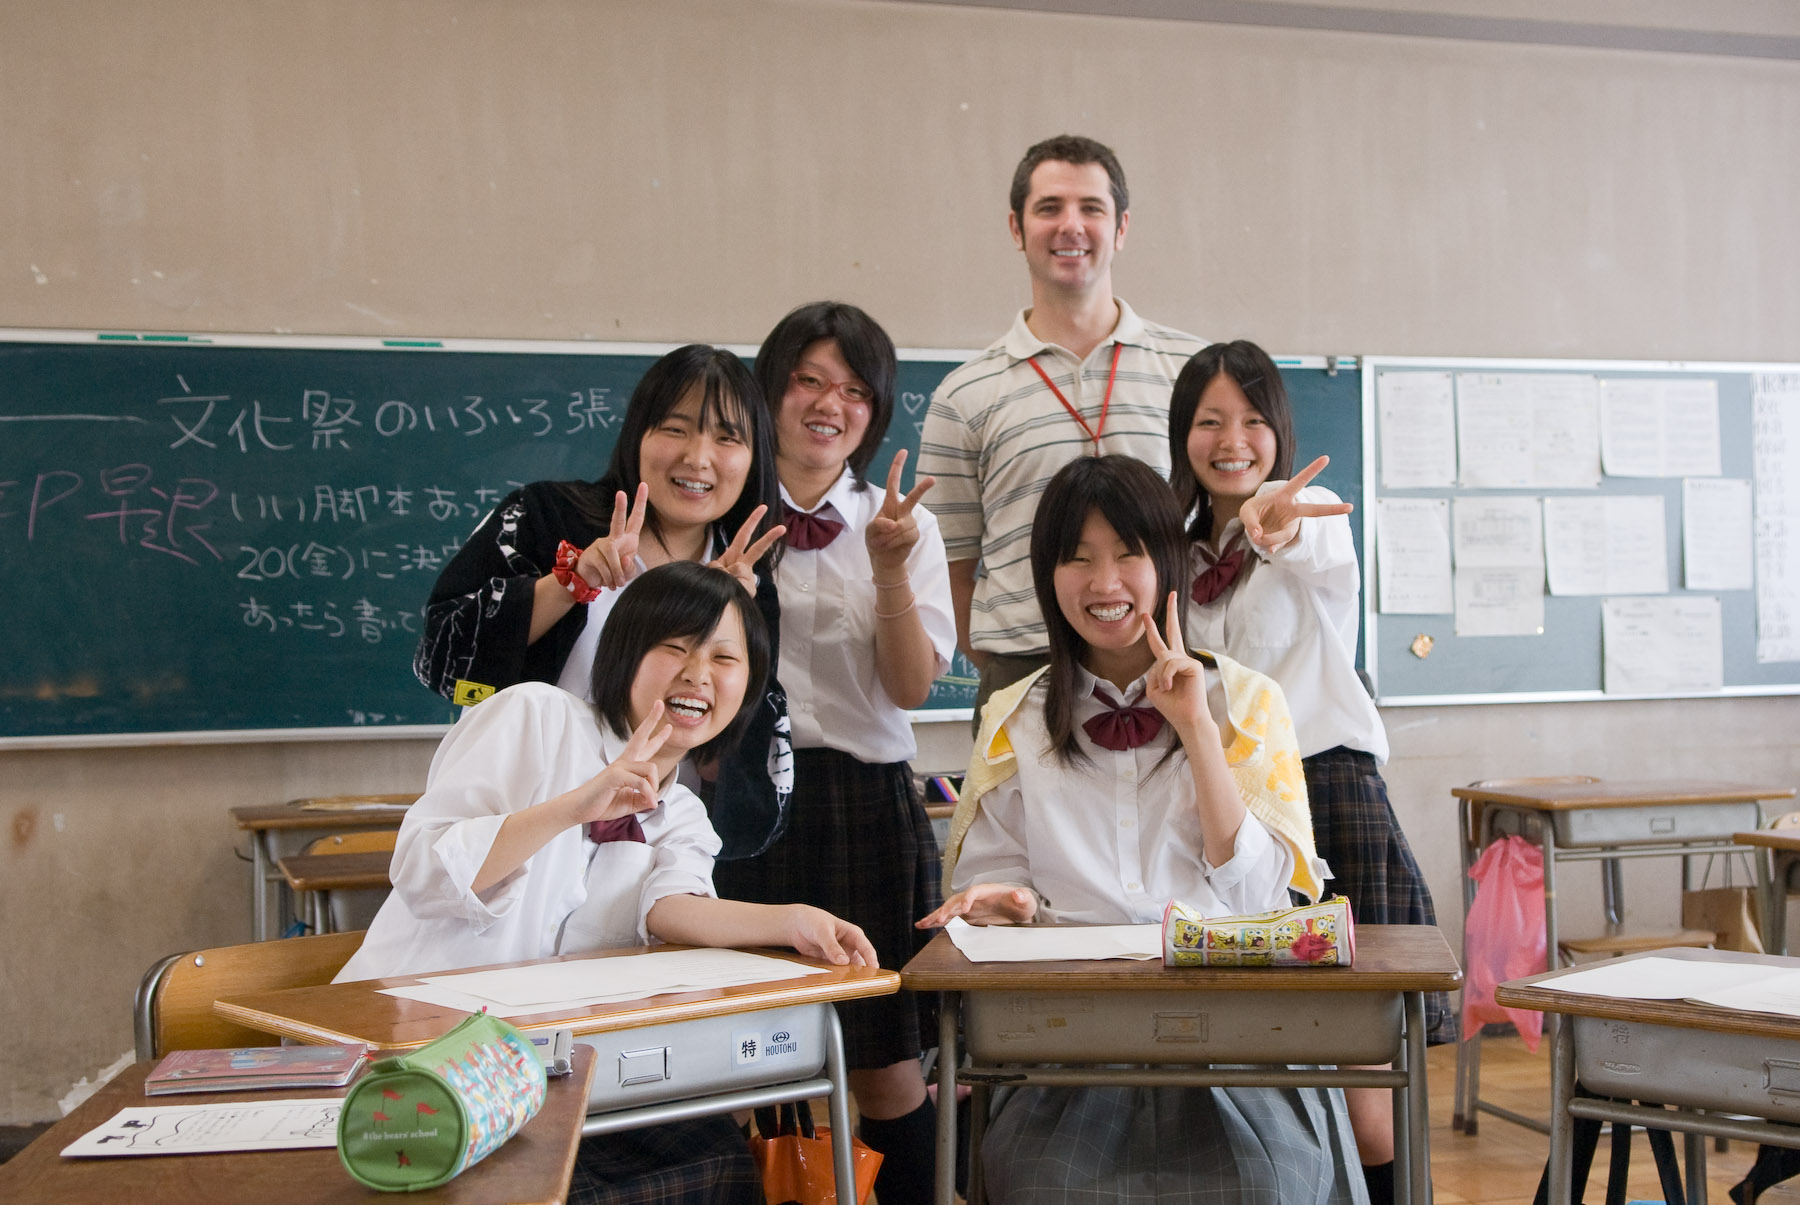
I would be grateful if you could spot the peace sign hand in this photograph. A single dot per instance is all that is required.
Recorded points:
(893, 531)
(740, 557)
(1272, 520)
(611, 561)
(1176, 684)
(629, 784)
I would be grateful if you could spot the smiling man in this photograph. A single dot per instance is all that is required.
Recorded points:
(1078, 374)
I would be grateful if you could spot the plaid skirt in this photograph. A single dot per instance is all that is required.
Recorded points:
(704, 1161)
(859, 845)
(1173, 1146)
(1372, 866)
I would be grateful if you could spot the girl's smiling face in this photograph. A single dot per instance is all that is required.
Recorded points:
(695, 472)
(1231, 446)
(700, 681)
(1105, 588)
(824, 413)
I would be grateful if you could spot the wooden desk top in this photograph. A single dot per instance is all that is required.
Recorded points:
(533, 1167)
(358, 1012)
(1781, 840)
(336, 872)
(390, 811)
(1407, 958)
(1682, 1014)
(1569, 796)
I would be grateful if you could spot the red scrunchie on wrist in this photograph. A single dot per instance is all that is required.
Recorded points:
(566, 556)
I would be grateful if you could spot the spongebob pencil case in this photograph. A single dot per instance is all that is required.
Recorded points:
(422, 1118)
(1313, 935)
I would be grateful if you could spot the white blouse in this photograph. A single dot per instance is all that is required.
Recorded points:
(1113, 841)
(526, 744)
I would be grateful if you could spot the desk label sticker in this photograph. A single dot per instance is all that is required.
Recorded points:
(751, 1046)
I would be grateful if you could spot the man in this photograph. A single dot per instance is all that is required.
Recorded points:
(1078, 374)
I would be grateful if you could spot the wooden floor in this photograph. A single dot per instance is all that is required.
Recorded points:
(1501, 1164)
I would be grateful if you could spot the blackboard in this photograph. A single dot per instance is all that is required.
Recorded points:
(232, 537)
(1565, 662)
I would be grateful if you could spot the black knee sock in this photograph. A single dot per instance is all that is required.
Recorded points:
(908, 1146)
(1380, 1179)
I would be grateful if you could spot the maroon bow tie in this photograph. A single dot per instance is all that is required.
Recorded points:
(1120, 728)
(1217, 577)
(805, 531)
(621, 828)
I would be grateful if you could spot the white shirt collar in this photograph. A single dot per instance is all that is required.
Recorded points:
(837, 497)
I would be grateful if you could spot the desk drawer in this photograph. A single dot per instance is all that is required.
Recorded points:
(1182, 1027)
(713, 1054)
(1639, 825)
(1725, 1072)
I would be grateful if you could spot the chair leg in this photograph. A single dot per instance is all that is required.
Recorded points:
(1662, 1148)
(1618, 1168)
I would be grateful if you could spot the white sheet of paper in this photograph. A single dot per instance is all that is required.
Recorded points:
(1418, 430)
(1660, 978)
(552, 985)
(1716, 533)
(1412, 555)
(1615, 544)
(1054, 943)
(1775, 417)
(260, 1125)
(1500, 601)
(1661, 645)
(1506, 532)
(1660, 427)
(1690, 427)
(1565, 438)
(1493, 430)
(1575, 545)
(1779, 994)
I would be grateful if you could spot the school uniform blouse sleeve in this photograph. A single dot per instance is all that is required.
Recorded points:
(994, 849)
(1322, 555)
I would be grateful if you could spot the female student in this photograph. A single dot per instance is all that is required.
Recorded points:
(1276, 586)
(866, 627)
(551, 825)
(692, 478)
(1101, 787)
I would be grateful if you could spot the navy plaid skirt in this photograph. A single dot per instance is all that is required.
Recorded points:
(859, 845)
(1372, 866)
(704, 1161)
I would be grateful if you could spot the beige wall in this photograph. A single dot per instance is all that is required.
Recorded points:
(574, 169)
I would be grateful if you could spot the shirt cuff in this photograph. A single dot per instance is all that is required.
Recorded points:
(1249, 854)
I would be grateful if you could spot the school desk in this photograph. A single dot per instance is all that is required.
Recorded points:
(1582, 819)
(663, 1058)
(269, 823)
(1081, 1015)
(1721, 1069)
(1776, 870)
(533, 1166)
(313, 877)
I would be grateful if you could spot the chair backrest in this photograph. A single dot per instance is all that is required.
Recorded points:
(1787, 820)
(173, 1010)
(367, 841)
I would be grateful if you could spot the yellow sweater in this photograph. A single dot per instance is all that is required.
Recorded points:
(1259, 749)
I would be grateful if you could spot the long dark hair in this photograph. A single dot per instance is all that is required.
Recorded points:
(678, 600)
(866, 349)
(729, 400)
(1255, 373)
(1135, 501)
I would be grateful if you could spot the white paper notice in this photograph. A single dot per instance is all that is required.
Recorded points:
(1499, 601)
(1661, 645)
(1575, 545)
(259, 1125)
(1493, 430)
(1565, 438)
(1054, 943)
(1418, 429)
(1660, 427)
(1412, 555)
(1500, 532)
(1717, 535)
(1776, 428)
(1611, 545)
(1499, 583)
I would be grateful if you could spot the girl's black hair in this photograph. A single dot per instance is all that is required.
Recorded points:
(729, 400)
(1135, 501)
(866, 348)
(678, 600)
(1255, 373)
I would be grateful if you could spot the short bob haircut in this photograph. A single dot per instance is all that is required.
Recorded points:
(1135, 501)
(866, 348)
(1248, 365)
(1069, 148)
(679, 600)
(729, 401)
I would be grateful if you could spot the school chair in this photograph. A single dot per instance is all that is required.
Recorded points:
(173, 1009)
(340, 881)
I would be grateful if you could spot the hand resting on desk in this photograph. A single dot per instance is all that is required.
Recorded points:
(986, 904)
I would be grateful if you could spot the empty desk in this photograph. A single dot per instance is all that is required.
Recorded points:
(269, 823)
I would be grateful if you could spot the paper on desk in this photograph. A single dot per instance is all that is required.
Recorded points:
(1778, 993)
(1054, 943)
(1662, 978)
(258, 1125)
(554, 985)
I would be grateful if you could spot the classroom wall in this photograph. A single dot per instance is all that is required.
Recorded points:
(654, 171)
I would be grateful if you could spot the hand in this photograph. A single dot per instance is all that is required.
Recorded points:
(629, 784)
(1272, 520)
(893, 531)
(611, 561)
(816, 933)
(1176, 683)
(740, 557)
(985, 904)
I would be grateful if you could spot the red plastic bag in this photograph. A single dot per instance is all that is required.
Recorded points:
(796, 1165)
(1503, 936)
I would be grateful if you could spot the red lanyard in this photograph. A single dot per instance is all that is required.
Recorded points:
(1092, 433)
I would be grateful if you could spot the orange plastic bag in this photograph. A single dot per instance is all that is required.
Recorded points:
(1503, 936)
(796, 1164)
